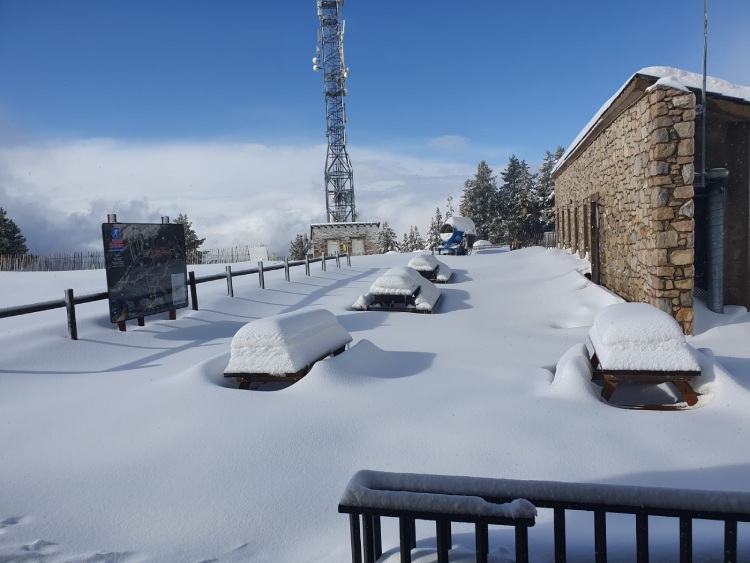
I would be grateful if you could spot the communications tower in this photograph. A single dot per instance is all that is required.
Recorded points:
(329, 58)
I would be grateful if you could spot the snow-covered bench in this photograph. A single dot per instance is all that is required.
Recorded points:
(636, 342)
(431, 268)
(284, 347)
(400, 289)
(439, 498)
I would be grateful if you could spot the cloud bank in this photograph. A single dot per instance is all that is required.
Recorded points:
(59, 193)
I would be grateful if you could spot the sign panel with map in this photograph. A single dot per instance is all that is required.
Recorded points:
(146, 268)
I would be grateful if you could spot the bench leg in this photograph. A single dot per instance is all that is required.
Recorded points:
(687, 392)
(609, 388)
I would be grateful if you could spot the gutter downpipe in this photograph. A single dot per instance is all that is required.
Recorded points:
(715, 200)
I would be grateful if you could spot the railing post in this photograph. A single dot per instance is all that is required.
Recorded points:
(230, 288)
(70, 305)
(369, 525)
(600, 536)
(730, 540)
(443, 532)
(307, 264)
(522, 544)
(560, 548)
(482, 542)
(261, 279)
(641, 537)
(193, 290)
(356, 538)
(686, 539)
(405, 526)
(286, 268)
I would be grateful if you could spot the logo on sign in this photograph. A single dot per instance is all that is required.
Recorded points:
(116, 244)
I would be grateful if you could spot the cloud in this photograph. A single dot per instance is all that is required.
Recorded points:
(235, 194)
(449, 143)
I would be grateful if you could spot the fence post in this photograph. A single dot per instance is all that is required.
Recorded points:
(193, 290)
(70, 305)
(261, 278)
(307, 264)
(349, 259)
(286, 269)
(338, 260)
(230, 288)
(323, 261)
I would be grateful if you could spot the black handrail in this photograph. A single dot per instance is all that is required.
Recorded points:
(686, 505)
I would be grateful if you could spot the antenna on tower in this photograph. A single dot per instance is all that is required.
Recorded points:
(329, 59)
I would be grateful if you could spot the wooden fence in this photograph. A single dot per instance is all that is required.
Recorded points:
(95, 260)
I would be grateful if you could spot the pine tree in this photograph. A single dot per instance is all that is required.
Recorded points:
(479, 202)
(546, 189)
(192, 242)
(405, 243)
(297, 248)
(387, 239)
(415, 239)
(518, 196)
(11, 239)
(433, 232)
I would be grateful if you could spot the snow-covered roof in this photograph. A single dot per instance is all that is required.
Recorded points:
(666, 76)
(285, 343)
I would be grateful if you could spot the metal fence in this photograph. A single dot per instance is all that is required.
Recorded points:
(69, 300)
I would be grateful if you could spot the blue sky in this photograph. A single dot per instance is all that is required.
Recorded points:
(434, 88)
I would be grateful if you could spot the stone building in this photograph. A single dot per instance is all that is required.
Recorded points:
(355, 238)
(630, 194)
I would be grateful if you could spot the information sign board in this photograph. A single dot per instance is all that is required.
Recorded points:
(146, 268)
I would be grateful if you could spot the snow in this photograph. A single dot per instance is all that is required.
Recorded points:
(401, 280)
(424, 262)
(425, 493)
(286, 343)
(132, 446)
(463, 224)
(668, 82)
(481, 243)
(666, 75)
(428, 263)
(638, 336)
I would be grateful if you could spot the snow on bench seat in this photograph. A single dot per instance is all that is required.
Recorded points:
(640, 337)
(431, 268)
(286, 344)
(400, 288)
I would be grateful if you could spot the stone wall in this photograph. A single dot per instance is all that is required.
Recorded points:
(638, 171)
(343, 234)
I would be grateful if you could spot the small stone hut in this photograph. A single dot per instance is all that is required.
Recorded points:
(630, 194)
(355, 238)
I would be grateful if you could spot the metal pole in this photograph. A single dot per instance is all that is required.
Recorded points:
(193, 290)
(261, 279)
(70, 305)
(230, 288)
(703, 95)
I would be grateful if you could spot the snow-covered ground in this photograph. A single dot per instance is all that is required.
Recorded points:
(125, 447)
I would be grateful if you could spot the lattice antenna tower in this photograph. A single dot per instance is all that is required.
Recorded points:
(330, 59)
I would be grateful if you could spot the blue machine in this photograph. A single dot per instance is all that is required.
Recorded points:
(457, 236)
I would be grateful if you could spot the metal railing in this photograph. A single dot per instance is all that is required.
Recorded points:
(685, 505)
(69, 300)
